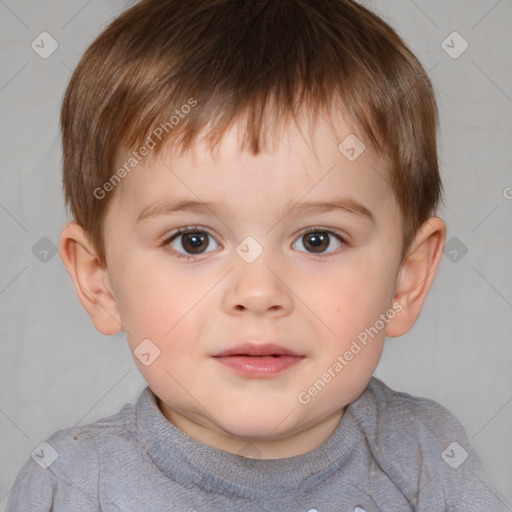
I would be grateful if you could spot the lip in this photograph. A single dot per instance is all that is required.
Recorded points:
(258, 361)
(257, 349)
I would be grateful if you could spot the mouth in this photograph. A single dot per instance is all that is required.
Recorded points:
(258, 361)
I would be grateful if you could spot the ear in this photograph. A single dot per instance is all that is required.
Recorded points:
(90, 278)
(417, 274)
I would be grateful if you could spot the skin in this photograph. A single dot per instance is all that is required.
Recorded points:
(313, 303)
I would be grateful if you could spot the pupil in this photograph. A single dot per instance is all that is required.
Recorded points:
(318, 242)
(192, 242)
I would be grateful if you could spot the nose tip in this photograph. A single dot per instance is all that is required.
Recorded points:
(254, 287)
(260, 296)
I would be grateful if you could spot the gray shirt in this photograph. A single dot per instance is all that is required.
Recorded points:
(391, 452)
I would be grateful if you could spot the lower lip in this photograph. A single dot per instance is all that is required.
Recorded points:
(259, 367)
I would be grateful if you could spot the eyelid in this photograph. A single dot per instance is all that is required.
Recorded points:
(188, 229)
(342, 239)
(312, 229)
(324, 229)
(183, 230)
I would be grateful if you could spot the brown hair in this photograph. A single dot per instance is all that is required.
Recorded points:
(183, 68)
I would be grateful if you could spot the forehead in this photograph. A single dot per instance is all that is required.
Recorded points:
(304, 163)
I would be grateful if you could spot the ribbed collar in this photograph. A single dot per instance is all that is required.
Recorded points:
(186, 460)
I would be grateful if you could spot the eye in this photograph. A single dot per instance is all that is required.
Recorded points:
(319, 240)
(191, 241)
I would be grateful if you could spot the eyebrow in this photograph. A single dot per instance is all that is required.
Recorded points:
(188, 205)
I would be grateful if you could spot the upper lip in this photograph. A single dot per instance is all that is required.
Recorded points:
(256, 349)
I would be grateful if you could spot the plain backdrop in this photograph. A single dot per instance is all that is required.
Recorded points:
(57, 371)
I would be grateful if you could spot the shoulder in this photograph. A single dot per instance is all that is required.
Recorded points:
(411, 412)
(66, 468)
(424, 449)
(421, 426)
(392, 419)
(79, 448)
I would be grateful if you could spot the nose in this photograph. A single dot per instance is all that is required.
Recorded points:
(259, 288)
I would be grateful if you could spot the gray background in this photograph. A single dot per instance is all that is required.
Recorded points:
(57, 371)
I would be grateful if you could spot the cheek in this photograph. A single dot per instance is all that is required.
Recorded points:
(351, 298)
(153, 301)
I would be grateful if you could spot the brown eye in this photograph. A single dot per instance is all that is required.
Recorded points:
(194, 243)
(191, 242)
(318, 242)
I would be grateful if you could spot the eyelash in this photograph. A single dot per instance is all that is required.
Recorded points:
(194, 229)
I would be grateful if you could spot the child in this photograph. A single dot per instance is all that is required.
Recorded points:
(254, 186)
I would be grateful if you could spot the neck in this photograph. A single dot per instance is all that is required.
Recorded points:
(295, 444)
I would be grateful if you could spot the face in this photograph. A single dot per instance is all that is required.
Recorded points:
(264, 283)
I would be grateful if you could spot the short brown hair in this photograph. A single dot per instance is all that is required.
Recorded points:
(262, 60)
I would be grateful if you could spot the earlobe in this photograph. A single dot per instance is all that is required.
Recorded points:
(90, 278)
(417, 275)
